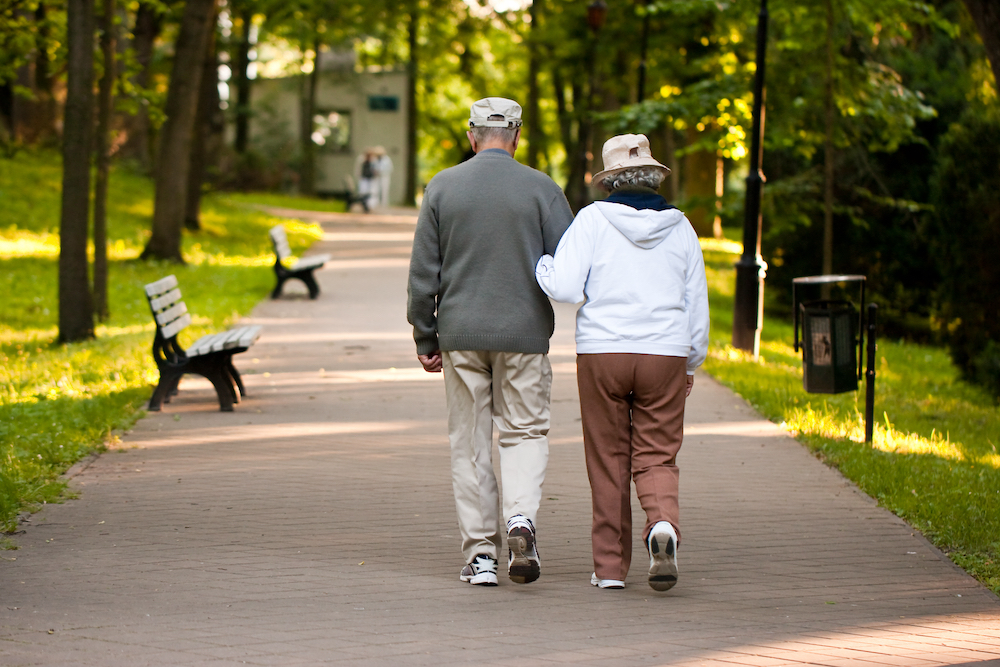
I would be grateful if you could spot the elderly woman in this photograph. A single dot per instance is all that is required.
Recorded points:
(635, 262)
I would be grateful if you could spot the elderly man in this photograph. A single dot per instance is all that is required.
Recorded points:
(478, 313)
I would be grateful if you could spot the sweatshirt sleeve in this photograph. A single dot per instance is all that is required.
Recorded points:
(425, 279)
(564, 275)
(696, 302)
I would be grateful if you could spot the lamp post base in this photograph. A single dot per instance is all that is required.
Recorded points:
(748, 313)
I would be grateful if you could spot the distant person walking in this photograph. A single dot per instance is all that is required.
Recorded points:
(383, 171)
(478, 313)
(366, 173)
(635, 262)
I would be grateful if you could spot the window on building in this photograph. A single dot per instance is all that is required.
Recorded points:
(383, 103)
(332, 131)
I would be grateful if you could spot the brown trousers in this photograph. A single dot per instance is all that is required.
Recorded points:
(633, 424)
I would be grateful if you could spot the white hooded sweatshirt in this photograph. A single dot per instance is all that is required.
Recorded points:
(642, 277)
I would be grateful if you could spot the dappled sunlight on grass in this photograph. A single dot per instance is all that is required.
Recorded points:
(721, 245)
(933, 460)
(258, 199)
(59, 402)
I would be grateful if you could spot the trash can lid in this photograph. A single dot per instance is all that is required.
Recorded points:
(816, 280)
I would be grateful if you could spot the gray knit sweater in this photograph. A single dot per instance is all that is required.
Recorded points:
(483, 225)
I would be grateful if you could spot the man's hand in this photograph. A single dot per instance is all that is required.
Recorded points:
(690, 385)
(432, 362)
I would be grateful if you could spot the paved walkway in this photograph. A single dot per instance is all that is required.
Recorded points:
(315, 525)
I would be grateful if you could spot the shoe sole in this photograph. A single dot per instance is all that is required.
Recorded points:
(523, 568)
(600, 584)
(663, 568)
(484, 579)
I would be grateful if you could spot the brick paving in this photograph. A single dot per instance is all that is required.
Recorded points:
(315, 525)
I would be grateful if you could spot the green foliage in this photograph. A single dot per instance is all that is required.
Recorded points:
(934, 459)
(966, 233)
(58, 403)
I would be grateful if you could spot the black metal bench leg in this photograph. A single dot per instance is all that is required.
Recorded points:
(236, 377)
(223, 389)
(162, 391)
(276, 292)
(231, 381)
(310, 281)
(173, 391)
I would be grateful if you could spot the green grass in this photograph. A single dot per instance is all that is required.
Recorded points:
(60, 402)
(284, 201)
(934, 459)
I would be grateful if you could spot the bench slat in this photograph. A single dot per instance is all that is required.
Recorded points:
(161, 286)
(226, 341)
(201, 346)
(171, 314)
(311, 261)
(250, 336)
(280, 239)
(239, 337)
(165, 301)
(177, 325)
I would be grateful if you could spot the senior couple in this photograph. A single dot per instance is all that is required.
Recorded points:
(495, 239)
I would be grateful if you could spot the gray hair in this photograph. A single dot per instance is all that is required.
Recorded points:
(489, 134)
(646, 177)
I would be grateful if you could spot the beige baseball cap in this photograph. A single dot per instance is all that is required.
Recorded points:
(495, 112)
(625, 152)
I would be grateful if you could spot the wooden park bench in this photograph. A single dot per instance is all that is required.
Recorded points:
(210, 356)
(349, 195)
(302, 269)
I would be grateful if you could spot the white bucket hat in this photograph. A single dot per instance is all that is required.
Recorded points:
(625, 151)
(495, 112)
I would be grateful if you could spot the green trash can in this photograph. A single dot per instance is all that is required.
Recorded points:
(832, 332)
(829, 347)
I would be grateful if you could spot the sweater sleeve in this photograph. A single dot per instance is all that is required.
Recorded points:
(557, 222)
(696, 302)
(564, 275)
(425, 279)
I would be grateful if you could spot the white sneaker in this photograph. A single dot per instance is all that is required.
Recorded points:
(482, 571)
(523, 563)
(605, 583)
(662, 545)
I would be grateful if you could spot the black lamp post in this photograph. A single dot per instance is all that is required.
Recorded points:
(748, 310)
(597, 12)
(641, 93)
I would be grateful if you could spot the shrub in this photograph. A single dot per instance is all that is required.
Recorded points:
(966, 233)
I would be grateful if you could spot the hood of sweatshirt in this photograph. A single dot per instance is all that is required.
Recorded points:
(644, 227)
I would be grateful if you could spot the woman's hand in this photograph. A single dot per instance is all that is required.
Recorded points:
(690, 385)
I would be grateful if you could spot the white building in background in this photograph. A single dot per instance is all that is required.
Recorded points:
(354, 111)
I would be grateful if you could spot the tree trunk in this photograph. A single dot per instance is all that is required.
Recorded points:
(410, 194)
(174, 159)
(105, 99)
(536, 136)
(76, 317)
(243, 84)
(45, 110)
(673, 181)
(208, 97)
(699, 185)
(307, 183)
(986, 15)
(137, 129)
(828, 147)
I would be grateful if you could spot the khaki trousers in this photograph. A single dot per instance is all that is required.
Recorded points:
(633, 424)
(510, 390)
